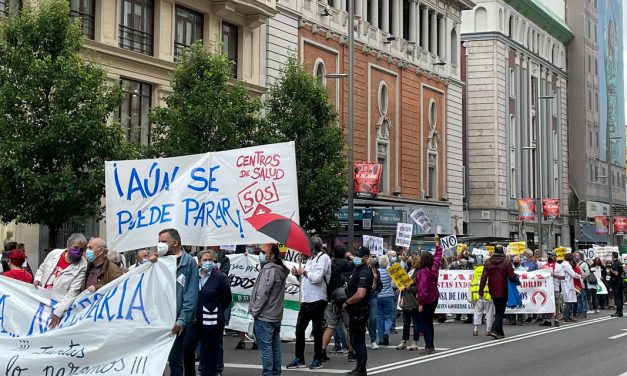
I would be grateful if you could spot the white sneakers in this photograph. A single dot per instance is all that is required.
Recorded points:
(374, 346)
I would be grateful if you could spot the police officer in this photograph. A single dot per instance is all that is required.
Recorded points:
(616, 281)
(358, 291)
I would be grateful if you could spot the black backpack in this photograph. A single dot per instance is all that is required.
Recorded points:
(336, 281)
(377, 286)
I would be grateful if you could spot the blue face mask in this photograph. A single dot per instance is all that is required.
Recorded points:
(262, 257)
(357, 261)
(250, 251)
(89, 255)
(208, 265)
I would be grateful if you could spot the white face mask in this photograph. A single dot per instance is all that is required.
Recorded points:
(162, 248)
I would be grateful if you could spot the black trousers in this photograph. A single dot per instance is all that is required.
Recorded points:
(209, 337)
(499, 314)
(310, 312)
(618, 298)
(425, 321)
(358, 322)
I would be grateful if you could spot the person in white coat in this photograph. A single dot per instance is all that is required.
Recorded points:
(63, 271)
(569, 294)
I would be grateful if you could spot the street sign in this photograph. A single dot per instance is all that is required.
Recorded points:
(449, 242)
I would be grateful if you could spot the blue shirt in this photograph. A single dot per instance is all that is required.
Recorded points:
(386, 283)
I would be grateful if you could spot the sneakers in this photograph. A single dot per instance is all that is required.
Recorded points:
(475, 332)
(386, 340)
(356, 372)
(241, 345)
(488, 333)
(336, 349)
(351, 357)
(315, 364)
(427, 351)
(596, 311)
(297, 363)
(414, 346)
(546, 323)
(374, 346)
(402, 345)
(324, 356)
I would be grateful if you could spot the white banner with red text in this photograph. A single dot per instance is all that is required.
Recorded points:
(122, 329)
(536, 290)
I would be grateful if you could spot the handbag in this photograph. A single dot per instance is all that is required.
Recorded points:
(408, 299)
(592, 278)
(513, 295)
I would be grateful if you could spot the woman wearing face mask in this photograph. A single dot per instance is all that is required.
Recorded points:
(582, 298)
(597, 301)
(214, 297)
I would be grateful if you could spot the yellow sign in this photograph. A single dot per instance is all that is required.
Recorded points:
(490, 249)
(517, 248)
(560, 252)
(282, 248)
(400, 276)
(461, 248)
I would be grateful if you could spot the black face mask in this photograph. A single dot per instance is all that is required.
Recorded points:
(516, 264)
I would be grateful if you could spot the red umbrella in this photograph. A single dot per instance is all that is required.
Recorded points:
(283, 230)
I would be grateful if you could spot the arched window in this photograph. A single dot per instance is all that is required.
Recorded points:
(512, 83)
(481, 19)
(320, 72)
(383, 98)
(554, 54)
(384, 127)
(513, 139)
(454, 46)
(501, 20)
(432, 152)
(510, 27)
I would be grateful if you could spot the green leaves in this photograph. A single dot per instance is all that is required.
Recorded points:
(299, 110)
(54, 139)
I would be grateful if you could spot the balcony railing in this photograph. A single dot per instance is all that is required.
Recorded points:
(88, 22)
(136, 40)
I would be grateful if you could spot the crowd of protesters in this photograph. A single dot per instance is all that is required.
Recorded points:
(344, 296)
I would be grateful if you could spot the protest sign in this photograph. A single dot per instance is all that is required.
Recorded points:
(516, 248)
(461, 248)
(536, 290)
(480, 252)
(243, 274)
(122, 329)
(605, 253)
(400, 276)
(589, 254)
(403, 234)
(448, 242)
(374, 243)
(601, 289)
(206, 197)
(422, 219)
(560, 252)
(490, 249)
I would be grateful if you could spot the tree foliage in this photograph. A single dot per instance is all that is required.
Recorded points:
(205, 112)
(299, 110)
(54, 139)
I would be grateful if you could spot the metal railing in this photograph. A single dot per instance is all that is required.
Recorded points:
(136, 40)
(88, 23)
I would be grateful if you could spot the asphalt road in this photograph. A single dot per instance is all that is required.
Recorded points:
(582, 348)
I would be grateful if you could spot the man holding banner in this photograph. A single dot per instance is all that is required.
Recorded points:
(496, 271)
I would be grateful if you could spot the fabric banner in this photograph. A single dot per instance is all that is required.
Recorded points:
(620, 225)
(366, 179)
(536, 290)
(551, 208)
(601, 225)
(526, 209)
(206, 197)
(243, 274)
(122, 329)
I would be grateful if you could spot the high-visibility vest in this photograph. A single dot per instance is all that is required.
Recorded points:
(474, 285)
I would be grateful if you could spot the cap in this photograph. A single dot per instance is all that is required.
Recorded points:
(614, 254)
(551, 253)
(17, 257)
(362, 251)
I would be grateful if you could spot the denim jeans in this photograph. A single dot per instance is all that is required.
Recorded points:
(425, 320)
(386, 314)
(339, 335)
(372, 318)
(175, 359)
(582, 304)
(267, 335)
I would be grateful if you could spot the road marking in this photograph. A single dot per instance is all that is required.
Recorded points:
(618, 336)
(483, 345)
(306, 369)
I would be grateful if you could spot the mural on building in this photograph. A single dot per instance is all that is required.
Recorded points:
(611, 96)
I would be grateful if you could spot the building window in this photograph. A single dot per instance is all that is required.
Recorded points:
(510, 27)
(595, 33)
(590, 138)
(433, 142)
(512, 156)
(136, 28)
(596, 101)
(432, 178)
(454, 47)
(534, 91)
(596, 68)
(10, 8)
(383, 98)
(512, 83)
(319, 72)
(589, 64)
(86, 11)
(589, 100)
(133, 112)
(189, 25)
(555, 165)
(230, 45)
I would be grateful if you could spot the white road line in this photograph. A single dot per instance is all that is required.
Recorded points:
(306, 369)
(623, 374)
(484, 345)
(618, 335)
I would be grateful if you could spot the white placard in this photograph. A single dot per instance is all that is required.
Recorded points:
(123, 329)
(206, 197)
(403, 234)
(448, 242)
(605, 253)
(480, 252)
(374, 243)
(589, 254)
(420, 217)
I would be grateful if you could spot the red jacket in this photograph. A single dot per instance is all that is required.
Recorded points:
(496, 271)
(20, 275)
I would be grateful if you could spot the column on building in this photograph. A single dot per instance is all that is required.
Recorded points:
(358, 12)
(385, 16)
(364, 10)
(412, 20)
(374, 13)
(396, 5)
(424, 22)
(434, 33)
